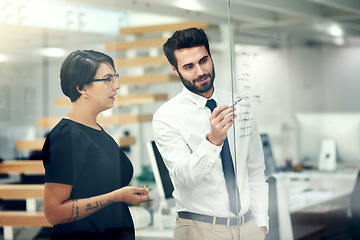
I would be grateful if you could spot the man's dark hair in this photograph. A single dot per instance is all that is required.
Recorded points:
(186, 38)
(78, 69)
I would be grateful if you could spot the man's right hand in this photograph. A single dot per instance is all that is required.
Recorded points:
(221, 119)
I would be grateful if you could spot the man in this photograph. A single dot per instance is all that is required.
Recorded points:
(190, 135)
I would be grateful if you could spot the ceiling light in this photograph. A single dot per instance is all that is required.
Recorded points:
(336, 30)
(4, 58)
(52, 52)
(189, 5)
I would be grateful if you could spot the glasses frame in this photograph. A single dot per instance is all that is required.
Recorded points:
(107, 80)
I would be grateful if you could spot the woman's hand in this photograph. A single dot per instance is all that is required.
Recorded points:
(59, 208)
(133, 195)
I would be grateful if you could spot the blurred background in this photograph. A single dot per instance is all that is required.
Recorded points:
(295, 60)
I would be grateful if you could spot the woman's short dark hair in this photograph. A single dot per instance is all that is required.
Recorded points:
(186, 38)
(78, 69)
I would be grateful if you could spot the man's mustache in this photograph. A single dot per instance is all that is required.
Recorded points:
(202, 77)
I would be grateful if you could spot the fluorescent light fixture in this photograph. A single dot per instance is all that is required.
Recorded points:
(52, 52)
(330, 28)
(4, 58)
(336, 30)
(189, 5)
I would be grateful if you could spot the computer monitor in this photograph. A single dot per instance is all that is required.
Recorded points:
(161, 174)
(314, 128)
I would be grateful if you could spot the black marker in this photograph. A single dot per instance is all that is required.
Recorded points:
(236, 102)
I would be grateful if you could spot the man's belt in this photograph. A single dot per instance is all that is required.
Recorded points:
(217, 220)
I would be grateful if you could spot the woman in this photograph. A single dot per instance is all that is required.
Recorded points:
(86, 173)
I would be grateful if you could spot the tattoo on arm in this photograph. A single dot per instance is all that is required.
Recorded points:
(98, 205)
(90, 207)
(72, 212)
(109, 202)
(75, 209)
(75, 212)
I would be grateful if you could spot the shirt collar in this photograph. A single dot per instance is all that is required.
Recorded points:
(197, 99)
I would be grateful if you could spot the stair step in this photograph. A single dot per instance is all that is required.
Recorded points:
(140, 61)
(23, 219)
(148, 79)
(22, 166)
(49, 122)
(138, 98)
(162, 27)
(21, 191)
(141, 43)
(37, 144)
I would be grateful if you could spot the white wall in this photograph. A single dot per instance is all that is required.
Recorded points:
(341, 71)
(289, 80)
(299, 79)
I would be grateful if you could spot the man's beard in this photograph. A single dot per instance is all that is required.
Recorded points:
(203, 88)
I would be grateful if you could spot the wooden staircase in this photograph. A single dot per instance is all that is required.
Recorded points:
(130, 99)
(31, 217)
(162, 27)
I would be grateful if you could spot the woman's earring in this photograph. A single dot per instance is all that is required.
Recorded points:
(85, 96)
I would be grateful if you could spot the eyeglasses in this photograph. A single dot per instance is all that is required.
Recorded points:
(109, 80)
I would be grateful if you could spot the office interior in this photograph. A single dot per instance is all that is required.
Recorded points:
(296, 62)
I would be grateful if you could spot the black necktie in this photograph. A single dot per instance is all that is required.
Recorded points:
(228, 169)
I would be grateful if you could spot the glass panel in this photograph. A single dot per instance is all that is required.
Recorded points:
(282, 58)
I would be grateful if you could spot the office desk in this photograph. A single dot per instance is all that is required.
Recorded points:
(306, 190)
(303, 190)
(162, 228)
(310, 188)
(153, 233)
(323, 199)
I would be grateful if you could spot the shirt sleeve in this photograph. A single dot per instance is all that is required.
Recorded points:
(257, 182)
(64, 152)
(186, 165)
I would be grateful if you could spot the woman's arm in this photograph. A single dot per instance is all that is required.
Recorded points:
(59, 208)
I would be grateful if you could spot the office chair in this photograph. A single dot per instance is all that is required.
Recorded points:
(354, 220)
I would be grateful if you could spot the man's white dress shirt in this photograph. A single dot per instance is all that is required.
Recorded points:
(180, 127)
